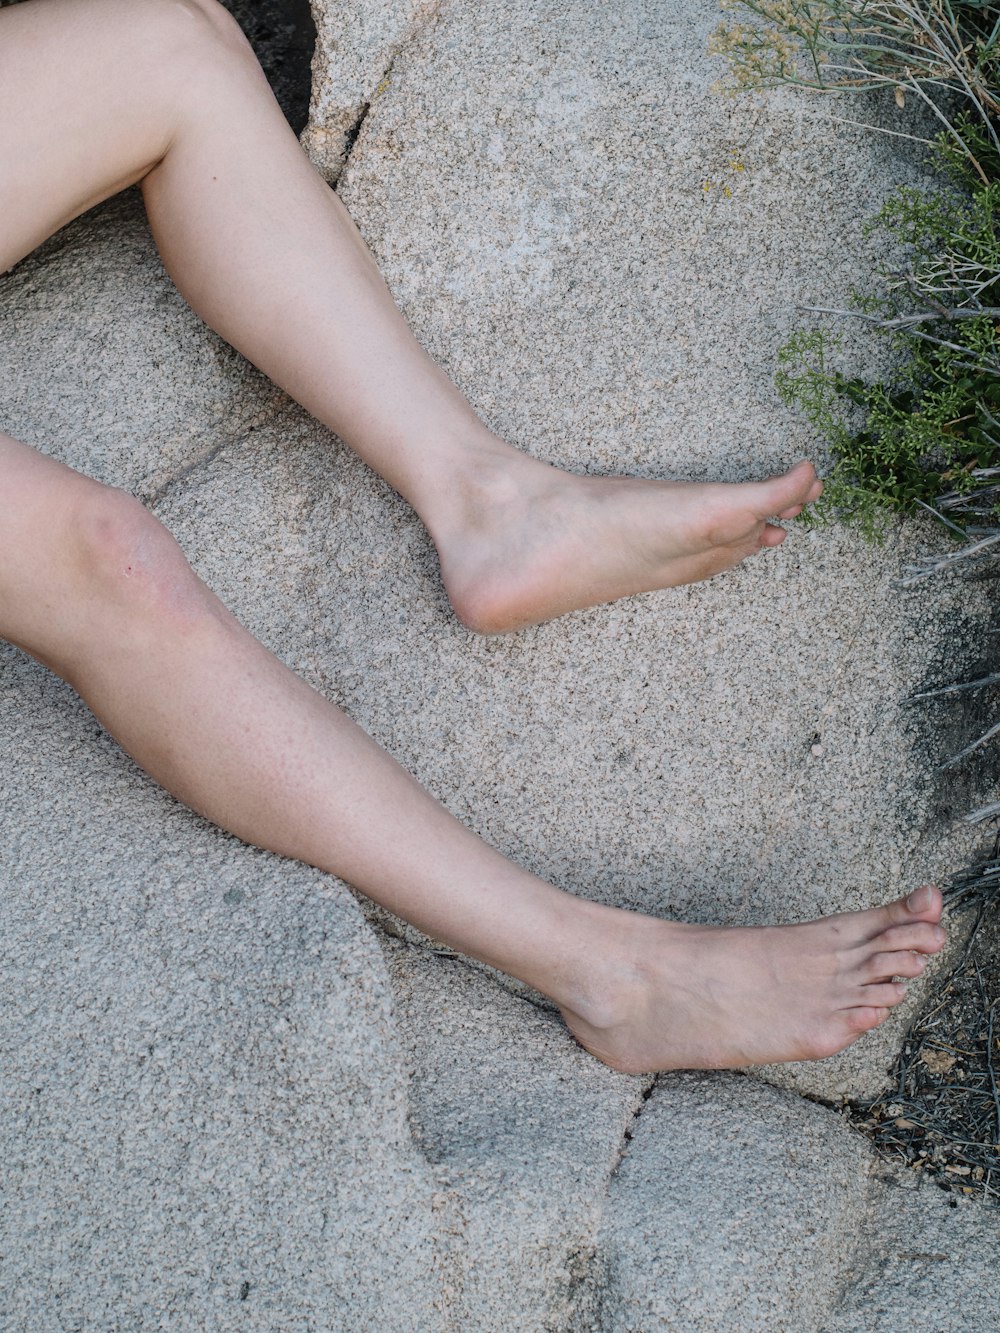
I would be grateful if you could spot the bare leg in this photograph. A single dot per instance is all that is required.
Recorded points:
(167, 92)
(222, 724)
(83, 567)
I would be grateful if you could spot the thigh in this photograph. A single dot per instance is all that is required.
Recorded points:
(89, 95)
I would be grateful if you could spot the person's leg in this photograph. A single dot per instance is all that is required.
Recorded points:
(167, 92)
(93, 586)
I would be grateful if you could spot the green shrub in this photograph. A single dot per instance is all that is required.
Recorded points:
(930, 437)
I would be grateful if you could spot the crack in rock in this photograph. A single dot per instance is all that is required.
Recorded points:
(351, 137)
(351, 72)
(629, 1132)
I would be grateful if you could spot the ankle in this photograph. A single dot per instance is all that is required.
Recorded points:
(485, 501)
(607, 986)
(487, 476)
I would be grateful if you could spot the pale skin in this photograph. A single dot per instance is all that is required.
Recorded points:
(96, 95)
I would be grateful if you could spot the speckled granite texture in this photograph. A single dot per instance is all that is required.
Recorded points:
(224, 1105)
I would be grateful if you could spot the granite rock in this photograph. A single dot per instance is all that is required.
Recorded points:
(735, 1206)
(222, 1108)
(525, 1131)
(357, 44)
(927, 1259)
(204, 1116)
(607, 256)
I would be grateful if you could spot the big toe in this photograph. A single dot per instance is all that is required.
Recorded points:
(923, 904)
(788, 494)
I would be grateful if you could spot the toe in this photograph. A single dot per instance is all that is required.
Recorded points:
(797, 487)
(883, 994)
(866, 1017)
(885, 966)
(923, 904)
(772, 535)
(921, 936)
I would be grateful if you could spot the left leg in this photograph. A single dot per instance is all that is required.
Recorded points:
(167, 92)
(270, 259)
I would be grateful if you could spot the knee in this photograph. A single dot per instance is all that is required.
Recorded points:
(208, 22)
(192, 32)
(125, 563)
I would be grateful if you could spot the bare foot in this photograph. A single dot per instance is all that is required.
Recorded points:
(695, 997)
(533, 542)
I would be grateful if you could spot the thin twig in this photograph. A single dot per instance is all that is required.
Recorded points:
(979, 684)
(991, 1070)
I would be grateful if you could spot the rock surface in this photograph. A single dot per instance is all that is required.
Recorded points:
(607, 256)
(221, 1107)
(761, 1182)
(357, 43)
(927, 1260)
(526, 1133)
(204, 1115)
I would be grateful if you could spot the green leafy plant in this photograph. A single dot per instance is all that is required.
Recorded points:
(930, 436)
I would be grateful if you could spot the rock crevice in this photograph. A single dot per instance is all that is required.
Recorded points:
(357, 46)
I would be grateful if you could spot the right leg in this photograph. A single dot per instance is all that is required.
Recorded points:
(96, 94)
(93, 586)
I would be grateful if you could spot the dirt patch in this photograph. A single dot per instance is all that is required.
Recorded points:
(942, 1117)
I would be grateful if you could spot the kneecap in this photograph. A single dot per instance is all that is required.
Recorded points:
(126, 555)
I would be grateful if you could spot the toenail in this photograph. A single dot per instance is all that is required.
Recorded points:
(940, 935)
(919, 899)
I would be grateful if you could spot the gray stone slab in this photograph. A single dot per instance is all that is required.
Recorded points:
(521, 1127)
(103, 365)
(525, 1130)
(931, 1261)
(203, 1114)
(358, 42)
(210, 1079)
(553, 193)
(736, 1207)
